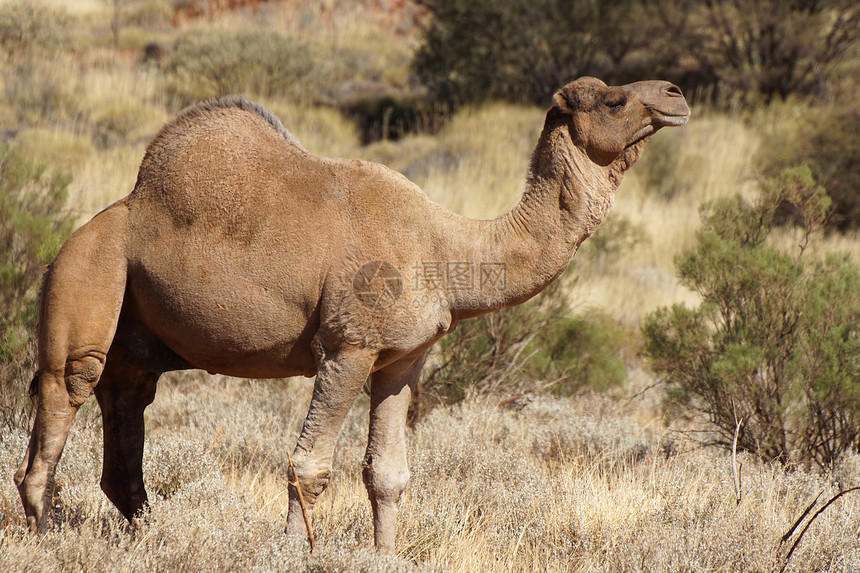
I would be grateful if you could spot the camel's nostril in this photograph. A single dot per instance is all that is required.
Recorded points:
(673, 91)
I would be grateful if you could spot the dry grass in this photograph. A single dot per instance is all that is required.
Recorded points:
(556, 485)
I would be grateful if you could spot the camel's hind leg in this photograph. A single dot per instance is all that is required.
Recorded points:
(81, 299)
(123, 393)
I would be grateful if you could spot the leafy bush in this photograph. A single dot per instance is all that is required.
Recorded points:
(776, 339)
(263, 62)
(536, 345)
(828, 140)
(31, 233)
(523, 50)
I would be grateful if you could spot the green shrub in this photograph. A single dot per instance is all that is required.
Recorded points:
(260, 62)
(578, 351)
(32, 230)
(828, 140)
(776, 339)
(536, 345)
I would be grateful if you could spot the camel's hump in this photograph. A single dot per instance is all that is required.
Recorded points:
(200, 111)
(194, 135)
(190, 119)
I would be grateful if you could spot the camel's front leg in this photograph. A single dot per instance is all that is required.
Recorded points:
(385, 469)
(340, 376)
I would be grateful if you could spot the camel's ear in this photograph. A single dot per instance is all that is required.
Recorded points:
(566, 100)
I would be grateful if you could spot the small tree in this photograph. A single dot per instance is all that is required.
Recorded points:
(828, 140)
(776, 339)
(32, 230)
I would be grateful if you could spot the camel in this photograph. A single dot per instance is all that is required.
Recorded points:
(239, 252)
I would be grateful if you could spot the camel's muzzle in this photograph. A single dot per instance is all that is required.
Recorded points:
(664, 100)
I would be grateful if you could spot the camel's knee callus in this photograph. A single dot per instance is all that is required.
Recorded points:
(385, 483)
(81, 377)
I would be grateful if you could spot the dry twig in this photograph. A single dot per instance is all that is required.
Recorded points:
(808, 523)
(302, 503)
(736, 468)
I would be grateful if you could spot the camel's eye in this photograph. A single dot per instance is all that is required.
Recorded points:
(616, 103)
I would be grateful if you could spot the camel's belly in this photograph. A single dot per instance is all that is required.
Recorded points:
(231, 325)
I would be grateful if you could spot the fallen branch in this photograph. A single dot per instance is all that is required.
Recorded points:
(302, 503)
(808, 523)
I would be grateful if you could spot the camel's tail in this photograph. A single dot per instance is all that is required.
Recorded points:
(33, 390)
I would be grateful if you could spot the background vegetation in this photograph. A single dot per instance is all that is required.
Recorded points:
(771, 356)
(571, 429)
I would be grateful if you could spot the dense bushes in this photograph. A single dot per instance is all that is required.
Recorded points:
(31, 233)
(260, 62)
(776, 339)
(537, 345)
(828, 140)
(522, 50)
(755, 49)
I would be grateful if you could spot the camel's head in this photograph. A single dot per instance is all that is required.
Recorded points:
(606, 120)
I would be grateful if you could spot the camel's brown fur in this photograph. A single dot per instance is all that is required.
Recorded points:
(241, 253)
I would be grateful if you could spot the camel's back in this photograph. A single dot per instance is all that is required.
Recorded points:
(220, 161)
(230, 168)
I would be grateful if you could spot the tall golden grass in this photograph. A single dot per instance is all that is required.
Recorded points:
(548, 484)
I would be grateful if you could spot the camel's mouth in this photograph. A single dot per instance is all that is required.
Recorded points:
(661, 119)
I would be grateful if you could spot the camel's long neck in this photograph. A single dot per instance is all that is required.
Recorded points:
(517, 255)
